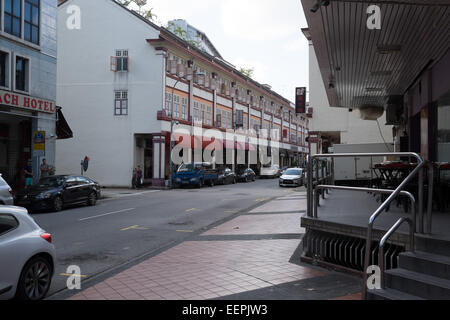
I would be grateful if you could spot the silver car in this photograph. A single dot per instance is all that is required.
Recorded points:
(292, 177)
(6, 194)
(26, 256)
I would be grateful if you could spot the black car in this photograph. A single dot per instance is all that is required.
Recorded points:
(55, 192)
(246, 175)
(226, 176)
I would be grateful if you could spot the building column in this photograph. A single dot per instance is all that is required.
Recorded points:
(159, 159)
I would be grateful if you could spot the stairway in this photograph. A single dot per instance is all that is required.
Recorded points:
(423, 274)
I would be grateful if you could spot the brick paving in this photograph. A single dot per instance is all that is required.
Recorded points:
(198, 270)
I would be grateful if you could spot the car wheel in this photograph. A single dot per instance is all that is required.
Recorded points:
(254, 178)
(58, 204)
(35, 280)
(92, 199)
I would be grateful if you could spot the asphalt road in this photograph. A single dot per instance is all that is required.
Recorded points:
(117, 230)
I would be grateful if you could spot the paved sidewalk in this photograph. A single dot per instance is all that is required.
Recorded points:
(255, 255)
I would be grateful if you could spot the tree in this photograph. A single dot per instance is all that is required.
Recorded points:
(178, 31)
(247, 72)
(148, 14)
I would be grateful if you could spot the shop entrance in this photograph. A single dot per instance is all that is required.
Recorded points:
(15, 149)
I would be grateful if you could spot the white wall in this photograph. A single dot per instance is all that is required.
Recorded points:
(86, 87)
(326, 118)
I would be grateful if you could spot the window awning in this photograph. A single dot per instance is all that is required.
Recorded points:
(63, 130)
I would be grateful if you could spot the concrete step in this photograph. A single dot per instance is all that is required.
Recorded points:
(390, 294)
(435, 244)
(427, 263)
(419, 284)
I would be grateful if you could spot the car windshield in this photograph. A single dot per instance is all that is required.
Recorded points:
(52, 182)
(187, 167)
(293, 172)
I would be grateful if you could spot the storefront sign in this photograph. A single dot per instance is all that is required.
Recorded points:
(39, 143)
(21, 101)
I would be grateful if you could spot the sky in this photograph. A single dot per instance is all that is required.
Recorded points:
(261, 34)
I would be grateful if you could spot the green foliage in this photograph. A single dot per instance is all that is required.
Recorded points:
(148, 14)
(247, 72)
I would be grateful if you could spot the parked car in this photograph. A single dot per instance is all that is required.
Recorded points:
(246, 175)
(55, 192)
(270, 171)
(6, 193)
(226, 176)
(197, 174)
(27, 256)
(292, 177)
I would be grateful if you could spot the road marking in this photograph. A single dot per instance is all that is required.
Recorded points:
(231, 211)
(185, 230)
(190, 210)
(135, 227)
(261, 199)
(72, 275)
(106, 214)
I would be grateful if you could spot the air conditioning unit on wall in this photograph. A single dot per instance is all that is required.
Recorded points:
(394, 114)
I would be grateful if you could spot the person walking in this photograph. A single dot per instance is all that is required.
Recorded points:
(139, 179)
(45, 168)
(28, 174)
(134, 179)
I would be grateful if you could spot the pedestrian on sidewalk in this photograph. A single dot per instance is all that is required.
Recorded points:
(134, 179)
(28, 174)
(140, 180)
(45, 168)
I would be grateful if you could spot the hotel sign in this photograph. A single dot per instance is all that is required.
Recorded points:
(21, 101)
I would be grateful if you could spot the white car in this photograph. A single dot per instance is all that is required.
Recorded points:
(27, 256)
(292, 177)
(6, 194)
(270, 171)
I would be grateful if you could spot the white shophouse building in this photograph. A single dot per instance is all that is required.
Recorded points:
(117, 74)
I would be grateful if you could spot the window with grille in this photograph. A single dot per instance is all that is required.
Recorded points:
(208, 115)
(184, 113)
(196, 111)
(120, 62)
(121, 103)
(176, 106)
(202, 112)
(168, 104)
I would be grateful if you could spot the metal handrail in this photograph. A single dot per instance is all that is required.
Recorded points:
(383, 240)
(417, 169)
(361, 189)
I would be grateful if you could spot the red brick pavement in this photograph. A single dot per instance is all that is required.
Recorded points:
(210, 269)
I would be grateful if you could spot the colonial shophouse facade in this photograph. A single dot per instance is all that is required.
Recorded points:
(126, 83)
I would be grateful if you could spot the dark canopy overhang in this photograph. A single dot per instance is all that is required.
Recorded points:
(63, 130)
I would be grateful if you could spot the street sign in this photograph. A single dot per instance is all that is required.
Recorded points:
(39, 143)
(300, 100)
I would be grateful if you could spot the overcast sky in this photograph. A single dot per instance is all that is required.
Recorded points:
(260, 34)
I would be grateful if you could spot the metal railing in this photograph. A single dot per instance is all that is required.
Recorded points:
(380, 191)
(386, 237)
(417, 170)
